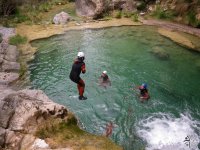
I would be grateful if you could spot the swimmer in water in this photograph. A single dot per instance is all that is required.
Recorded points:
(104, 79)
(144, 94)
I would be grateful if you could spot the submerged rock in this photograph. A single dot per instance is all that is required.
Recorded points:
(61, 18)
(160, 53)
(180, 39)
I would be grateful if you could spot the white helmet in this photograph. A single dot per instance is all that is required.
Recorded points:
(104, 72)
(81, 54)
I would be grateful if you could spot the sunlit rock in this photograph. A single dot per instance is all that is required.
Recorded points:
(61, 18)
(90, 8)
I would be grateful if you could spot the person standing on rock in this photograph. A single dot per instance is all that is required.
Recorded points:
(77, 68)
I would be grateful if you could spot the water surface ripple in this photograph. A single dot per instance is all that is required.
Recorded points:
(163, 122)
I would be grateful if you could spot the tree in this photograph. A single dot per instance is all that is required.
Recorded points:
(7, 7)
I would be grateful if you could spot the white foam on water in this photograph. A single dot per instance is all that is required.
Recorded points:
(73, 96)
(165, 132)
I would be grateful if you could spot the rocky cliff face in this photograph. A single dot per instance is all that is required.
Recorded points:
(9, 67)
(187, 12)
(96, 8)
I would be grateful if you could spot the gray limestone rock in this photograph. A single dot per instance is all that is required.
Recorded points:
(11, 53)
(29, 106)
(10, 66)
(90, 8)
(21, 112)
(61, 18)
(7, 78)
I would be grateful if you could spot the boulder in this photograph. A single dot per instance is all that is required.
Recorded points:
(11, 53)
(160, 53)
(21, 112)
(9, 66)
(61, 18)
(91, 8)
(7, 78)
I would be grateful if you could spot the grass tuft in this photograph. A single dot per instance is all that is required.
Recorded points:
(17, 39)
(160, 13)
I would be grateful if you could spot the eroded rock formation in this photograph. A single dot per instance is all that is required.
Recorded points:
(9, 67)
(21, 113)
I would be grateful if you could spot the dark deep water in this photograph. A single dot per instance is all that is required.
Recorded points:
(172, 113)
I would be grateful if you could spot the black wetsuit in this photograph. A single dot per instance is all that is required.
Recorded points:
(77, 68)
(105, 78)
(143, 92)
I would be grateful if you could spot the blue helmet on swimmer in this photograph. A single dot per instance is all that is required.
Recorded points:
(144, 85)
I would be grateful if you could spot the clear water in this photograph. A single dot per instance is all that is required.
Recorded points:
(163, 122)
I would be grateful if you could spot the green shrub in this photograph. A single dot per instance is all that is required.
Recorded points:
(191, 19)
(135, 17)
(19, 17)
(127, 14)
(141, 6)
(118, 15)
(44, 7)
(163, 14)
(17, 39)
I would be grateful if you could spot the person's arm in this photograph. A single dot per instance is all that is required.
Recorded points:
(83, 69)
